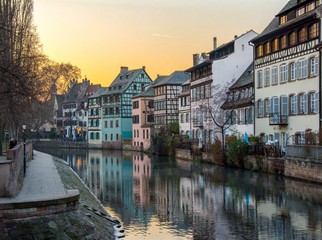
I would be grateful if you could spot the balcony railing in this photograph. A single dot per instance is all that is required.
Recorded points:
(278, 119)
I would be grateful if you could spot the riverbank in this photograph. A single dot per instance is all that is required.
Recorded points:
(89, 221)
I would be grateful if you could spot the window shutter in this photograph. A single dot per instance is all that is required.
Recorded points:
(297, 70)
(305, 103)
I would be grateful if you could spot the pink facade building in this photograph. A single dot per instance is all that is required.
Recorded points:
(142, 116)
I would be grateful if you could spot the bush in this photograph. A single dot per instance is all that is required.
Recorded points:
(236, 152)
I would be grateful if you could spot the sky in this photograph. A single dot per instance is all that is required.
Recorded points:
(100, 36)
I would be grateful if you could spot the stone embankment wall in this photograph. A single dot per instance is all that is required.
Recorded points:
(12, 170)
(306, 169)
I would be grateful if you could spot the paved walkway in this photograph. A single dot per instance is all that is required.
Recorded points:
(42, 181)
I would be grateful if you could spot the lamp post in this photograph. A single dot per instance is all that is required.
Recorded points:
(24, 127)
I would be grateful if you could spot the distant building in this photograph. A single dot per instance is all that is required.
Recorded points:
(94, 119)
(166, 91)
(184, 109)
(287, 74)
(143, 119)
(239, 104)
(211, 76)
(117, 105)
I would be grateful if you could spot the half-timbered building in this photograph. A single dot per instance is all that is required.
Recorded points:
(166, 91)
(287, 76)
(117, 105)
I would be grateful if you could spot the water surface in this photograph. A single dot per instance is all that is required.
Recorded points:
(159, 198)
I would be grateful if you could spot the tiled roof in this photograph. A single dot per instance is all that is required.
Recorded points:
(98, 93)
(176, 78)
(245, 79)
(274, 24)
(124, 80)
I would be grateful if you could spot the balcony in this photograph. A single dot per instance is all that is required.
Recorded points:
(278, 119)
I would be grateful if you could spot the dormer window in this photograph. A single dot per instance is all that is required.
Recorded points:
(313, 30)
(267, 48)
(300, 11)
(310, 6)
(275, 45)
(283, 19)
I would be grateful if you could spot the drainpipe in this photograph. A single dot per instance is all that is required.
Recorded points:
(253, 100)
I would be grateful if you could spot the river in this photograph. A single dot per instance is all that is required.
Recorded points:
(160, 198)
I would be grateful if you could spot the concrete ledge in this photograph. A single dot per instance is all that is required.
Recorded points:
(15, 209)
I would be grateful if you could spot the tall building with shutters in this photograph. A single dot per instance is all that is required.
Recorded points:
(287, 75)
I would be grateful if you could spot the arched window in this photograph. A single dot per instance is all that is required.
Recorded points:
(97, 135)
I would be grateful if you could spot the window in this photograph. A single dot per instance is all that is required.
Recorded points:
(97, 123)
(267, 77)
(111, 137)
(283, 42)
(314, 102)
(187, 117)
(260, 79)
(303, 103)
(259, 51)
(314, 30)
(314, 66)
(117, 123)
(275, 45)
(303, 34)
(147, 134)
(300, 11)
(105, 124)
(292, 38)
(283, 19)
(181, 118)
(302, 68)
(274, 75)
(310, 6)
(293, 102)
(134, 133)
(260, 107)
(267, 48)
(137, 133)
(92, 135)
(117, 137)
(97, 136)
(111, 124)
(293, 71)
(284, 105)
(283, 73)
(267, 107)
(275, 105)
(143, 133)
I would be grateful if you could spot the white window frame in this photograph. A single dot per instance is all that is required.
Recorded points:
(274, 75)
(303, 68)
(294, 106)
(267, 77)
(314, 66)
(283, 73)
(293, 71)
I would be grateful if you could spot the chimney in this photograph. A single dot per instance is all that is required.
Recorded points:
(124, 70)
(195, 59)
(143, 67)
(215, 43)
(235, 37)
(204, 56)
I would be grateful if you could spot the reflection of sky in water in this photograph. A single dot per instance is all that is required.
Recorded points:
(162, 199)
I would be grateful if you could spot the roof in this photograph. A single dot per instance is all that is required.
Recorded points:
(200, 65)
(274, 25)
(98, 93)
(245, 79)
(123, 80)
(176, 78)
(148, 92)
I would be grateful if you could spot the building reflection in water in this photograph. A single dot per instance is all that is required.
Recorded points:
(188, 200)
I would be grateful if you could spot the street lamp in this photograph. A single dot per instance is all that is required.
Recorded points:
(24, 127)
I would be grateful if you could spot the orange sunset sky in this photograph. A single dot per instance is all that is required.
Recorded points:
(100, 36)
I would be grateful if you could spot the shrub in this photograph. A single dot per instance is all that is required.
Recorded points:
(236, 151)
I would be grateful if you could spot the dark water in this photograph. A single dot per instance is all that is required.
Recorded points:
(158, 198)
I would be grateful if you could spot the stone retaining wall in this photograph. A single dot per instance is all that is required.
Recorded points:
(183, 154)
(12, 170)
